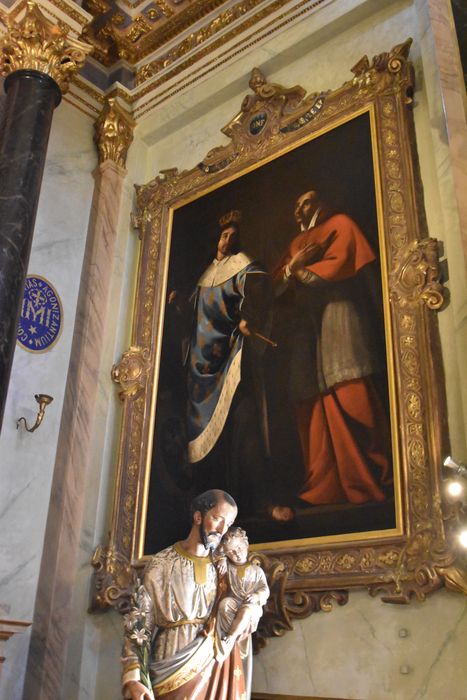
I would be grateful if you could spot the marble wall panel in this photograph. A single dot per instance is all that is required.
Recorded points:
(98, 636)
(370, 650)
(27, 460)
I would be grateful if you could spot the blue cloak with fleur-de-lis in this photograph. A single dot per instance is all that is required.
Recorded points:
(215, 353)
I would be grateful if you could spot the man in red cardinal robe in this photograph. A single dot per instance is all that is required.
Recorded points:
(342, 421)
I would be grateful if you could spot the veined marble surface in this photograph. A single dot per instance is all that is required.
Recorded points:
(27, 460)
(369, 650)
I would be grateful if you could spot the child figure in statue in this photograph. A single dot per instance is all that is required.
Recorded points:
(241, 608)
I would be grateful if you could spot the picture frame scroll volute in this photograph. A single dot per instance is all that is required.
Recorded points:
(113, 580)
(417, 275)
(131, 372)
(304, 578)
(288, 603)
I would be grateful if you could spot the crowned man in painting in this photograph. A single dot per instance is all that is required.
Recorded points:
(176, 618)
(226, 413)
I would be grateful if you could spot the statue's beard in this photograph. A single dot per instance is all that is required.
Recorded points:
(208, 544)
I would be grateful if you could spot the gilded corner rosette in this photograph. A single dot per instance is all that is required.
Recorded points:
(34, 43)
(113, 133)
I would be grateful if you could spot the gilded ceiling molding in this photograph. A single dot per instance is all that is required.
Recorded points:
(205, 42)
(213, 28)
(113, 133)
(245, 43)
(196, 39)
(115, 34)
(34, 43)
(72, 10)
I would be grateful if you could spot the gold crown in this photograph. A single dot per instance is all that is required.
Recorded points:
(232, 217)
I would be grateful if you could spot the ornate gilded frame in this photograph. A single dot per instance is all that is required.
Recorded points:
(419, 558)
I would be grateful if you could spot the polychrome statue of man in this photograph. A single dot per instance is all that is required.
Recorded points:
(182, 593)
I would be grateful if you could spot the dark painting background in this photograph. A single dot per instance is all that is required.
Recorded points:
(339, 164)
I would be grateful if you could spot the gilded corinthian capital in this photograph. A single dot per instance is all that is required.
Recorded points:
(113, 133)
(34, 43)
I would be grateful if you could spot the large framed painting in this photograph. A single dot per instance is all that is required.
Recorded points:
(284, 330)
(235, 410)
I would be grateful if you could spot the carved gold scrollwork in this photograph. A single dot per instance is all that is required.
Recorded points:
(269, 112)
(131, 372)
(368, 76)
(392, 60)
(455, 577)
(428, 559)
(113, 582)
(417, 275)
(34, 43)
(395, 59)
(285, 603)
(113, 133)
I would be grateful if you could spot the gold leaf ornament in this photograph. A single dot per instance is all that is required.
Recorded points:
(34, 43)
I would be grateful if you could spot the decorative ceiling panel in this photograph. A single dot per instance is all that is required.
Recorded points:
(116, 34)
(144, 51)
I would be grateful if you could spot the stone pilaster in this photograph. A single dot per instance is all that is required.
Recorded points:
(452, 88)
(78, 430)
(38, 60)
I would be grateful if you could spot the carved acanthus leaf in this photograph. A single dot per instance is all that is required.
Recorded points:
(455, 577)
(113, 580)
(113, 133)
(427, 562)
(417, 275)
(150, 195)
(34, 43)
(131, 372)
(393, 61)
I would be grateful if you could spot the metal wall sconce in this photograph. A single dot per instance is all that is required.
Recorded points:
(456, 492)
(456, 467)
(43, 400)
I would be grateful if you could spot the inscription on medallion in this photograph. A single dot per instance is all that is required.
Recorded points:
(257, 123)
(41, 316)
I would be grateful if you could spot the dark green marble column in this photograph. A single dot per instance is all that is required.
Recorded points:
(31, 97)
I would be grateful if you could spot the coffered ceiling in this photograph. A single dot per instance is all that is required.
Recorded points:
(134, 30)
(146, 50)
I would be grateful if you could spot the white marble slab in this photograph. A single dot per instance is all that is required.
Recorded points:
(368, 650)
(27, 460)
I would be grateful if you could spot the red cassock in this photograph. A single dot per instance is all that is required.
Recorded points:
(335, 362)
